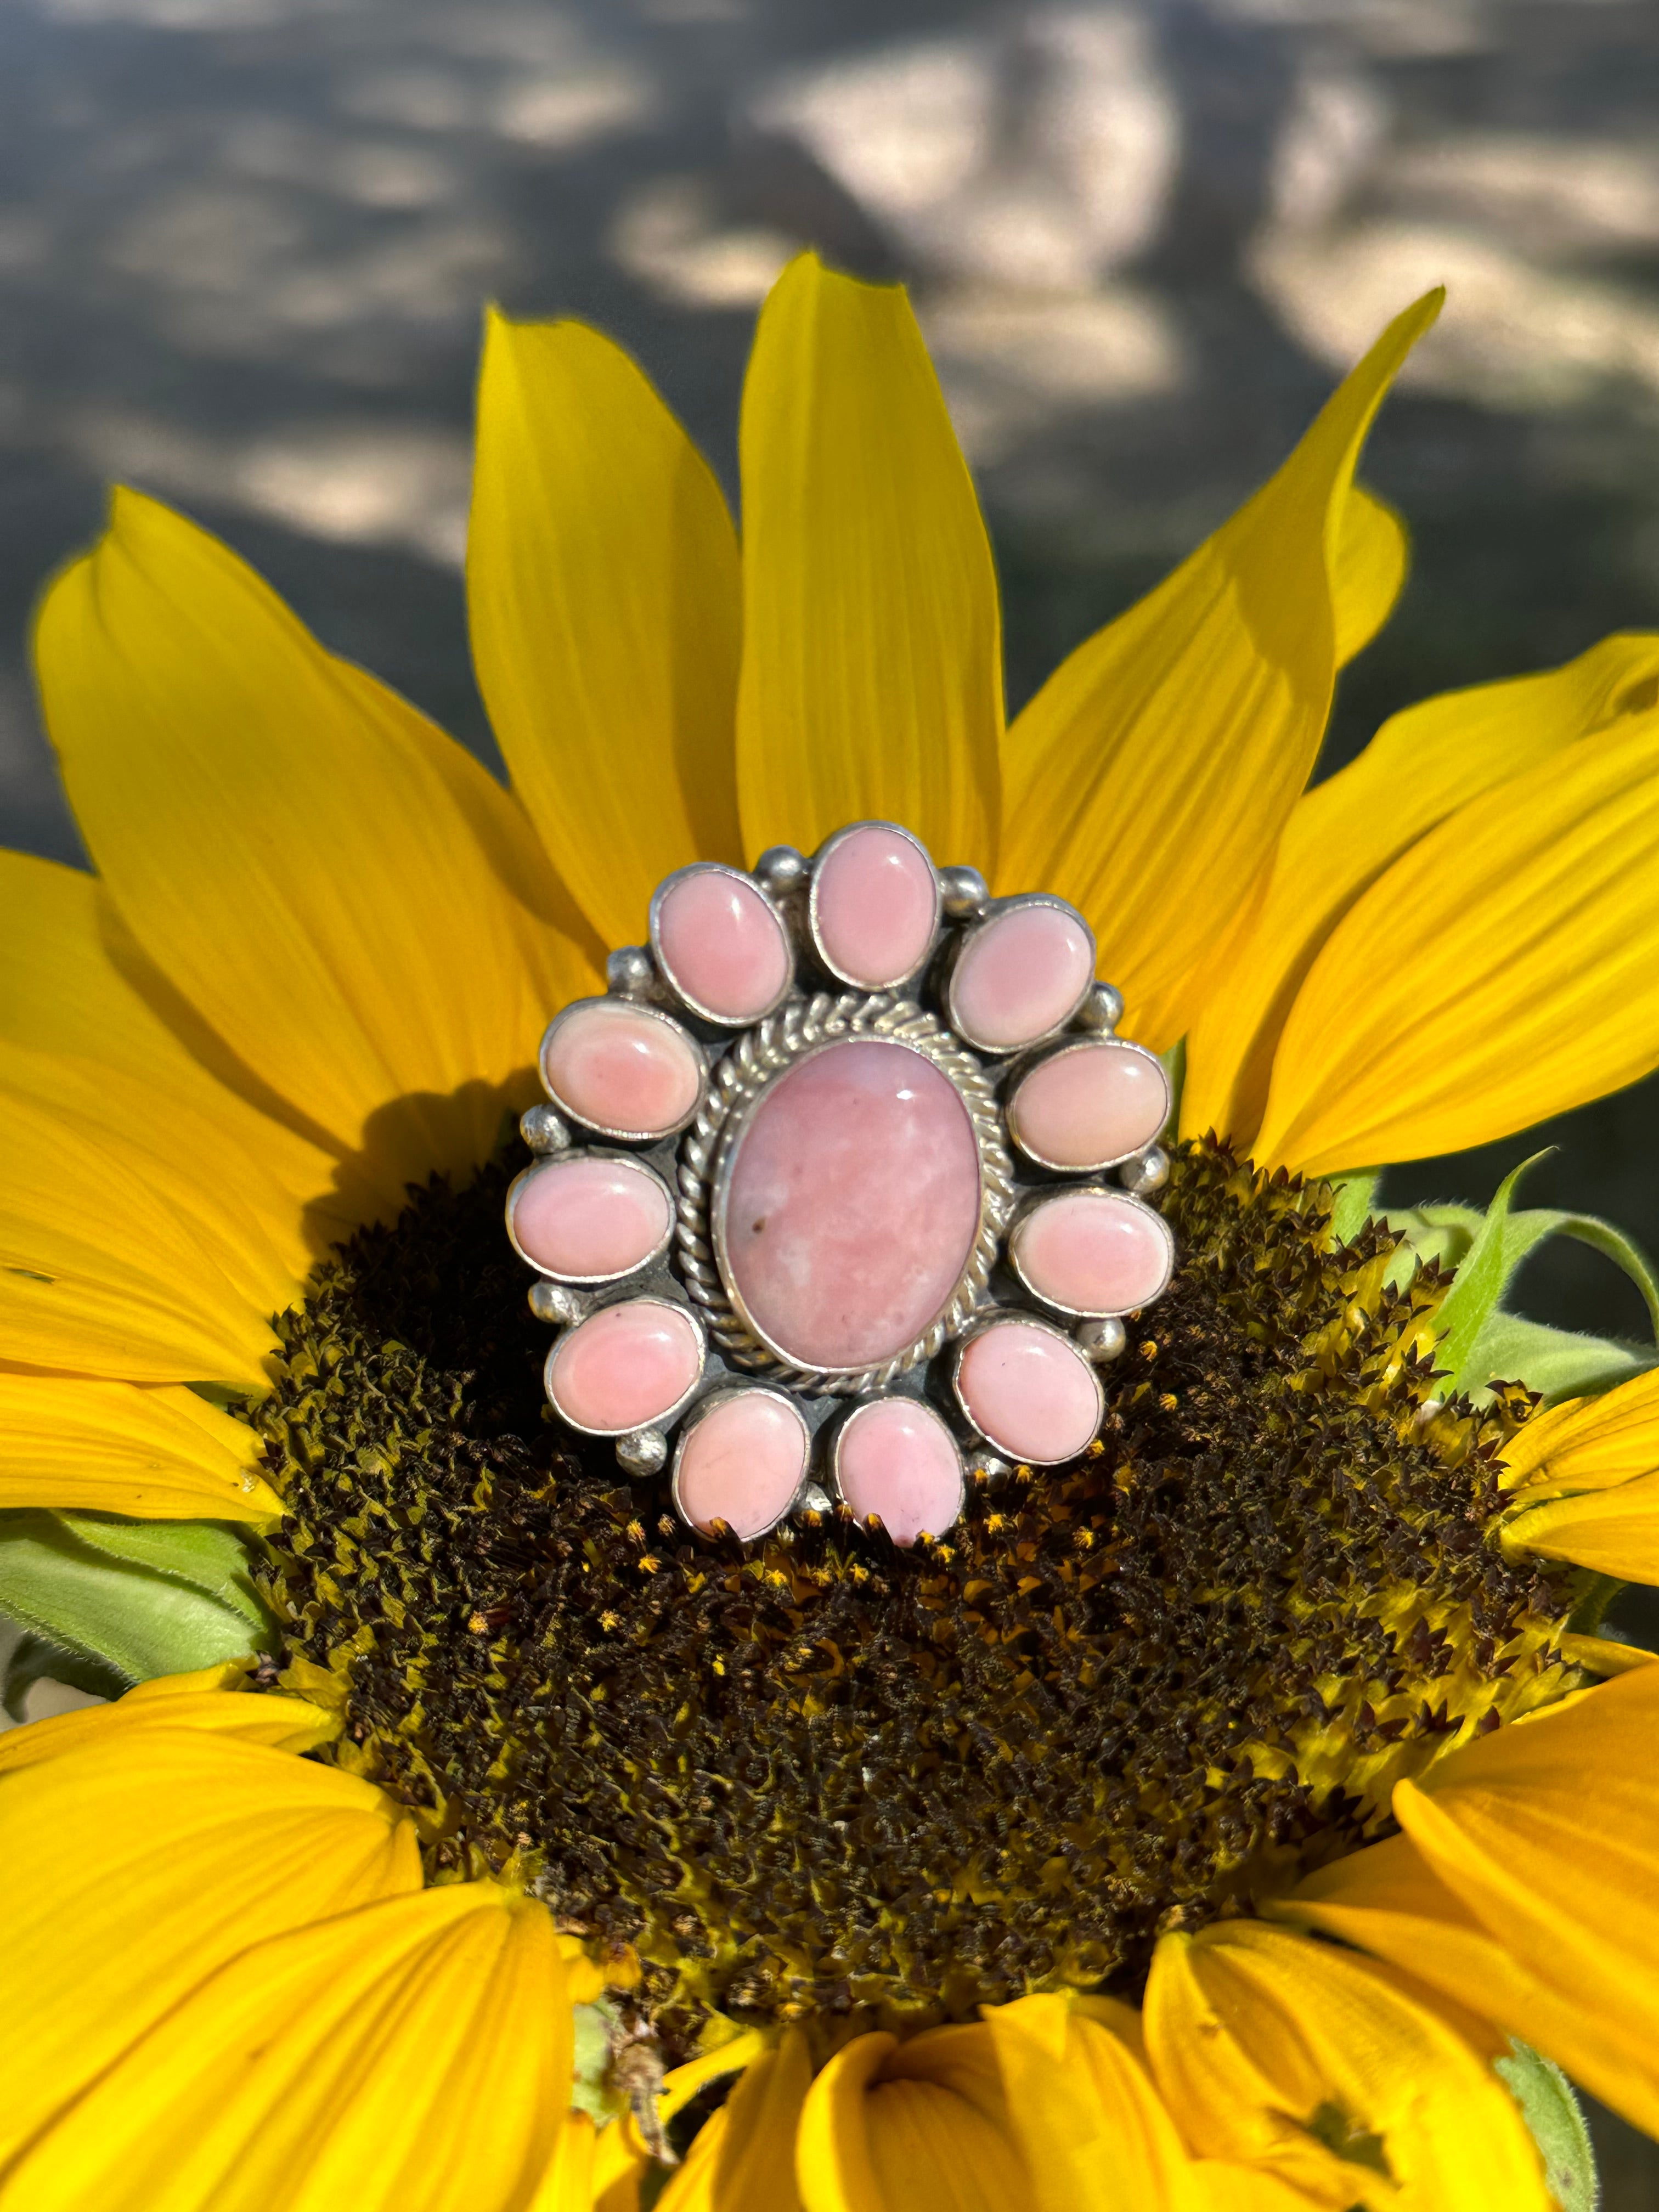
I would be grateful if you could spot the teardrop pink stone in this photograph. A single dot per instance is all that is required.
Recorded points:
(723, 944)
(895, 1458)
(1030, 1392)
(1022, 973)
(742, 1464)
(1091, 1106)
(853, 1205)
(1094, 1252)
(875, 899)
(625, 1366)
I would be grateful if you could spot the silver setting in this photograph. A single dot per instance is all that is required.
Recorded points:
(706, 1156)
(964, 893)
(629, 974)
(648, 1013)
(862, 982)
(1023, 1069)
(558, 1303)
(642, 1452)
(1101, 1340)
(1102, 1011)
(1034, 1204)
(996, 912)
(982, 1324)
(543, 1130)
(669, 1414)
(728, 1396)
(782, 870)
(631, 1165)
(1149, 1174)
(706, 1014)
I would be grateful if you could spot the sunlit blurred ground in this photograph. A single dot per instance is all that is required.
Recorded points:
(244, 244)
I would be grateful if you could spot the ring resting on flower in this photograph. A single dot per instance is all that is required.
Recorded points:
(866, 1109)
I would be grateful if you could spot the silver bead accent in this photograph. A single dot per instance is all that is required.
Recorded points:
(542, 1130)
(814, 1498)
(780, 869)
(1101, 1342)
(643, 1451)
(985, 1466)
(964, 893)
(1146, 1175)
(1102, 1009)
(629, 973)
(557, 1302)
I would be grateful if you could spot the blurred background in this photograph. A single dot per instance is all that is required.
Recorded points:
(244, 245)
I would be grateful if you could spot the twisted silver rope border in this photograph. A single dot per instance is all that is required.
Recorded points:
(755, 1059)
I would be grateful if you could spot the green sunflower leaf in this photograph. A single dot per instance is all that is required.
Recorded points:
(1552, 2112)
(135, 1617)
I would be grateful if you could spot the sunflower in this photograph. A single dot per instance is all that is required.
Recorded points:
(1229, 1818)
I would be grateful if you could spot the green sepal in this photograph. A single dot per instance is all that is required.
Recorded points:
(35, 1659)
(1556, 1363)
(592, 2090)
(1354, 1202)
(1175, 1066)
(1551, 2113)
(141, 1599)
(1481, 1275)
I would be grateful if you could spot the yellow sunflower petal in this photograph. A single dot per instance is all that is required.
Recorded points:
(1149, 780)
(279, 1723)
(159, 1455)
(1588, 1444)
(1505, 968)
(1614, 1531)
(1270, 2047)
(743, 2159)
(136, 1867)
(1368, 569)
(415, 2054)
(1095, 2134)
(1421, 766)
(887, 2126)
(284, 848)
(1389, 1900)
(603, 587)
(871, 659)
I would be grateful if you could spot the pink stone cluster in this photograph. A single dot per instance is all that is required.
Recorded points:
(850, 1198)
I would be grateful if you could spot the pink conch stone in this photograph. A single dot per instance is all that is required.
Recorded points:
(1090, 1105)
(742, 1464)
(1029, 1393)
(1094, 1252)
(853, 1206)
(617, 1068)
(875, 900)
(1020, 975)
(722, 944)
(625, 1366)
(585, 1219)
(898, 1460)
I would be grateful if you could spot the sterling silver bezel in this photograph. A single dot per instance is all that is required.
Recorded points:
(983, 1323)
(759, 1056)
(700, 1413)
(1035, 1202)
(666, 967)
(545, 1164)
(996, 912)
(629, 1006)
(816, 935)
(1100, 1041)
(657, 1420)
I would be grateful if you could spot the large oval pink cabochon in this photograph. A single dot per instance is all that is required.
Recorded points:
(853, 1205)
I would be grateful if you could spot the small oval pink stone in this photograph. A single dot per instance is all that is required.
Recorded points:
(1030, 1392)
(625, 1366)
(896, 1459)
(875, 902)
(742, 1464)
(587, 1220)
(853, 1205)
(1091, 1106)
(722, 944)
(615, 1067)
(1094, 1252)
(1022, 973)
